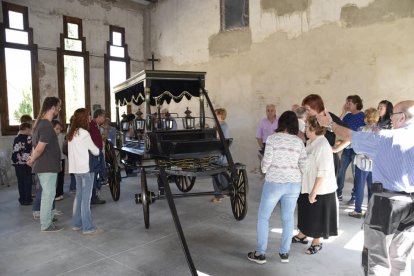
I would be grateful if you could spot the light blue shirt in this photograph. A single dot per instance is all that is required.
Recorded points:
(392, 152)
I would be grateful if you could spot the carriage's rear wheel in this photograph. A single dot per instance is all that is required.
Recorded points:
(238, 194)
(113, 171)
(184, 183)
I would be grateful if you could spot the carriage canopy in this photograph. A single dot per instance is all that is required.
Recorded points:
(162, 85)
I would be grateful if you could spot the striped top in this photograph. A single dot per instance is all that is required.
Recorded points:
(284, 159)
(392, 152)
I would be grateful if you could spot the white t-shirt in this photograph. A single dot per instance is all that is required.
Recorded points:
(78, 151)
(320, 164)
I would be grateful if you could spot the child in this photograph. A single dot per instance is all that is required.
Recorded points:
(57, 127)
(22, 147)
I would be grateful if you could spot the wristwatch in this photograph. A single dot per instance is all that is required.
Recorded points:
(330, 127)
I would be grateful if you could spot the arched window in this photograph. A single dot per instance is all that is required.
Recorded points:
(117, 69)
(73, 69)
(19, 78)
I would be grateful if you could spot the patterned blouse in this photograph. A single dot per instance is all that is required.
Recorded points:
(22, 147)
(284, 160)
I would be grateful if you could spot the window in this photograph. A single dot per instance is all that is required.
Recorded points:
(116, 69)
(19, 82)
(234, 14)
(73, 69)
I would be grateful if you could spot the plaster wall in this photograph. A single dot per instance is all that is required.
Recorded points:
(291, 49)
(46, 19)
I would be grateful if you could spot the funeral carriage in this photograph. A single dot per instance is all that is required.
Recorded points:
(159, 146)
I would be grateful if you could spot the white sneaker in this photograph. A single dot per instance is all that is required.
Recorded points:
(56, 212)
(58, 198)
(36, 214)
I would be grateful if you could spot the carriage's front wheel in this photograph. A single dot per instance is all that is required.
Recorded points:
(145, 199)
(238, 194)
(113, 171)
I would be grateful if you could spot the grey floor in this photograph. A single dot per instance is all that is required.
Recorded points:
(217, 242)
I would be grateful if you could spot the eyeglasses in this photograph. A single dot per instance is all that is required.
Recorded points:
(395, 113)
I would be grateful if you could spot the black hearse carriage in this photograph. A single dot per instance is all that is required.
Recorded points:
(177, 155)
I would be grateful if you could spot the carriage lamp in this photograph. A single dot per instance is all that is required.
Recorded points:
(139, 122)
(188, 120)
(124, 123)
(168, 121)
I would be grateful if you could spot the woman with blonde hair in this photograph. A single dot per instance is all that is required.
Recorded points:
(79, 145)
(363, 165)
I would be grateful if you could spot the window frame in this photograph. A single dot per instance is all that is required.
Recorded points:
(6, 128)
(61, 52)
(222, 17)
(107, 59)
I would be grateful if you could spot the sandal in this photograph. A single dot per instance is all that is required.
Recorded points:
(314, 248)
(296, 239)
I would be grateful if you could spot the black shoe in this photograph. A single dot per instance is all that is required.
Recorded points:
(284, 257)
(351, 201)
(26, 203)
(97, 200)
(260, 259)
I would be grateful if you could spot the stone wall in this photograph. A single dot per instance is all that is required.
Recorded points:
(46, 19)
(292, 48)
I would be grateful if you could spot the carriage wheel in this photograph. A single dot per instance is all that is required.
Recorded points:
(145, 199)
(185, 183)
(238, 195)
(113, 171)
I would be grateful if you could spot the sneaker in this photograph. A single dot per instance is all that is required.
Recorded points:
(72, 191)
(260, 259)
(58, 198)
(355, 214)
(97, 200)
(53, 228)
(351, 201)
(97, 231)
(36, 214)
(340, 198)
(57, 212)
(284, 257)
(216, 199)
(74, 228)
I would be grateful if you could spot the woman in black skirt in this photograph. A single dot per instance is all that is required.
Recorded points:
(317, 203)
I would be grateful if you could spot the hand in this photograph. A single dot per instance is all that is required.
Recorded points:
(312, 198)
(29, 162)
(324, 118)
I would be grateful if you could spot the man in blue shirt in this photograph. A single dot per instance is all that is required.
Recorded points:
(389, 224)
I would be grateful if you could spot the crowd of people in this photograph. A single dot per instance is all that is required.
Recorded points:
(299, 157)
(38, 156)
(378, 145)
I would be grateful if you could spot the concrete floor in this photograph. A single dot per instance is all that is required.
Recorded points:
(217, 242)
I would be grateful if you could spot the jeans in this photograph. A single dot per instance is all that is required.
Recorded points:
(48, 183)
(38, 199)
(24, 182)
(288, 194)
(82, 217)
(98, 167)
(347, 158)
(359, 184)
(72, 182)
(60, 179)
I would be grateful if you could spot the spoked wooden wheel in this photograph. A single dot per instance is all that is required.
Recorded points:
(238, 194)
(113, 171)
(145, 199)
(184, 183)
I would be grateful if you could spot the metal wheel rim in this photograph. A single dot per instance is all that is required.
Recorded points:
(145, 199)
